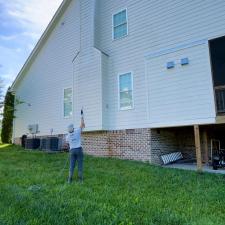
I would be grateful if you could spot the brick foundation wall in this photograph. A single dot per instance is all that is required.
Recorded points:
(133, 144)
(125, 144)
(180, 139)
(138, 144)
(186, 142)
(162, 142)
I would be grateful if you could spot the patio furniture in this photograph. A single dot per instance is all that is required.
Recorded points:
(171, 157)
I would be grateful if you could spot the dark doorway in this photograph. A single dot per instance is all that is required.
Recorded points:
(217, 53)
(217, 50)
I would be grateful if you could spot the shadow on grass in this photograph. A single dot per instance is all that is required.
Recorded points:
(2, 146)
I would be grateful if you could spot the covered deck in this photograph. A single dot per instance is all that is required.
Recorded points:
(202, 147)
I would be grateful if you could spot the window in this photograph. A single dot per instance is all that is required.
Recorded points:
(120, 28)
(125, 91)
(67, 102)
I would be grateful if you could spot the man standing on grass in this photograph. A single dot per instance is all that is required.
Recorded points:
(76, 151)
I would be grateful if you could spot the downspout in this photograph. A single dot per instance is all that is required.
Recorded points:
(94, 23)
(80, 24)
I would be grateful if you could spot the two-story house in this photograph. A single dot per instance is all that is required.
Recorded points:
(149, 74)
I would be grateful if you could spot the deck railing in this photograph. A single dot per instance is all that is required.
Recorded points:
(220, 99)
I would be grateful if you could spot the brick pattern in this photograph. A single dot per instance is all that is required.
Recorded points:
(124, 144)
(162, 142)
(186, 142)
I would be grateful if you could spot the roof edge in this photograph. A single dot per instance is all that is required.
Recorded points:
(42, 40)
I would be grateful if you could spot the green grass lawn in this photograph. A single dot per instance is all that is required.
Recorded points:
(113, 192)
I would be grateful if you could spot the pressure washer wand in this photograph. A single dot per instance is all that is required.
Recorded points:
(82, 118)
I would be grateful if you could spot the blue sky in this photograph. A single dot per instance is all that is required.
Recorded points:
(21, 24)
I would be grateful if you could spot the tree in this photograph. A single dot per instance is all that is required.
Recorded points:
(1, 95)
(8, 114)
(1, 103)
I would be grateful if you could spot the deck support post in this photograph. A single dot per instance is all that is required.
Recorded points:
(205, 146)
(198, 148)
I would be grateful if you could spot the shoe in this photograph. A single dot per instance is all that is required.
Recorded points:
(69, 180)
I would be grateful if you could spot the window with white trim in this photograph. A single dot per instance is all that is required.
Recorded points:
(67, 102)
(125, 91)
(120, 28)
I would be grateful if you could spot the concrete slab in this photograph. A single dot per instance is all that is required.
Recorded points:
(193, 166)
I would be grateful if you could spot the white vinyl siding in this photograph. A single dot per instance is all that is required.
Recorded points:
(183, 93)
(120, 28)
(50, 70)
(67, 103)
(153, 27)
(125, 91)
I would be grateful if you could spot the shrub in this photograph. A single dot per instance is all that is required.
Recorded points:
(7, 121)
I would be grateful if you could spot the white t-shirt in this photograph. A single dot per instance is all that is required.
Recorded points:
(74, 138)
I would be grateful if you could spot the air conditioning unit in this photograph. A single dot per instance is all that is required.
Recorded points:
(51, 143)
(32, 143)
(33, 128)
(44, 144)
